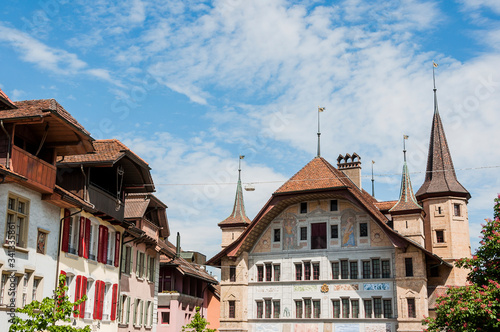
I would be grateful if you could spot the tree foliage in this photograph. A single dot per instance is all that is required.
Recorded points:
(45, 315)
(198, 323)
(474, 307)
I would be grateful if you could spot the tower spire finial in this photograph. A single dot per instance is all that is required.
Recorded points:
(405, 137)
(434, 66)
(320, 109)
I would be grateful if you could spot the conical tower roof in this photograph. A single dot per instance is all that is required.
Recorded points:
(238, 217)
(407, 200)
(440, 177)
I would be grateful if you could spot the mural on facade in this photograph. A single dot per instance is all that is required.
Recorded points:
(305, 288)
(267, 328)
(346, 327)
(378, 328)
(376, 286)
(345, 287)
(347, 224)
(290, 231)
(305, 328)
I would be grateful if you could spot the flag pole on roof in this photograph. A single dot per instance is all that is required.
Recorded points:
(320, 109)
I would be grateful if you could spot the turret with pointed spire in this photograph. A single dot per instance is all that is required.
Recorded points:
(236, 223)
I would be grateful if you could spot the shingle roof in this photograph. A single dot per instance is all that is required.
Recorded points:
(238, 216)
(440, 177)
(386, 205)
(5, 102)
(407, 200)
(135, 207)
(41, 108)
(317, 174)
(106, 151)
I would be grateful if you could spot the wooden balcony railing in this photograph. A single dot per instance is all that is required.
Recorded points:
(40, 174)
(149, 228)
(106, 203)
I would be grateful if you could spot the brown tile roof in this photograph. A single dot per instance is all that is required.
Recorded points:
(238, 216)
(407, 200)
(106, 151)
(317, 174)
(67, 195)
(440, 177)
(135, 207)
(5, 102)
(41, 108)
(385, 206)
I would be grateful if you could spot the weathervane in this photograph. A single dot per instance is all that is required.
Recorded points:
(405, 137)
(320, 109)
(373, 181)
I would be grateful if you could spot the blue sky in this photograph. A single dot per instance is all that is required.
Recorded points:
(190, 85)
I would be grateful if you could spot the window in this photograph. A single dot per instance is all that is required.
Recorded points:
(298, 271)
(151, 269)
(34, 291)
(376, 268)
(411, 308)
(439, 210)
(268, 308)
(139, 264)
(307, 305)
(387, 309)
(336, 309)
(355, 308)
(316, 308)
(318, 235)
(307, 271)
(126, 259)
(303, 207)
(82, 287)
(409, 267)
(17, 221)
(363, 229)
(277, 272)
(26, 279)
(440, 236)
(335, 270)
(334, 205)
(165, 317)
(366, 270)
(368, 308)
(386, 269)
(353, 269)
(316, 271)
(345, 308)
(93, 241)
(334, 231)
(110, 255)
(260, 309)
(344, 269)
(232, 309)
(269, 272)
(277, 235)
(298, 308)
(260, 273)
(232, 273)
(377, 307)
(89, 303)
(276, 309)
(303, 234)
(456, 210)
(73, 234)
(99, 293)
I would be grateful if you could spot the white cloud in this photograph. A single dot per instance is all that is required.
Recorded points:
(493, 5)
(17, 94)
(137, 12)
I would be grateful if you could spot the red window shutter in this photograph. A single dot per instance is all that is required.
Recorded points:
(77, 293)
(105, 245)
(65, 235)
(86, 249)
(117, 249)
(81, 240)
(96, 299)
(114, 300)
(83, 291)
(101, 299)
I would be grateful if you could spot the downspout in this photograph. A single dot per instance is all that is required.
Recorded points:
(59, 246)
(8, 149)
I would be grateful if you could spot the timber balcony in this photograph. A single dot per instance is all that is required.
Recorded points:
(40, 174)
(108, 206)
(148, 228)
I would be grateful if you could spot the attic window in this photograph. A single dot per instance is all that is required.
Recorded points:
(277, 235)
(334, 205)
(303, 207)
(363, 229)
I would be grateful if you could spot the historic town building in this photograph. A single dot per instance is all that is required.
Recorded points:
(324, 255)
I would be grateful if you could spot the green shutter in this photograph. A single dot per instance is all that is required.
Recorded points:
(147, 269)
(144, 265)
(131, 258)
(137, 264)
(153, 270)
(119, 318)
(123, 261)
(141, 312)
(127, 318)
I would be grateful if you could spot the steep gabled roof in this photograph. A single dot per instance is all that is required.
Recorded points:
(440, 177)
(5, 102)
(238, 217)
(407, 201)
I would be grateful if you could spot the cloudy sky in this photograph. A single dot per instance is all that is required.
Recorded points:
(190, 85)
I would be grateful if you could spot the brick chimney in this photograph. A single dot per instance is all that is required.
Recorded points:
(351, 167)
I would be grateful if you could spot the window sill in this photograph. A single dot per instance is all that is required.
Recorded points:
(110, 267)
(16, 248)
(72, 256)
(91, 261)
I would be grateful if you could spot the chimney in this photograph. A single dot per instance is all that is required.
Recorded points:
(178, 247)
(351, 167)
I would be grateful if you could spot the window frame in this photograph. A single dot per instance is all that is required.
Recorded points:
(19, 232)
(334, 231)
(303, 208)
(231, 309)
(277, 235)
(363, 229)
(334, 205)
(412, 309)
(409, 267)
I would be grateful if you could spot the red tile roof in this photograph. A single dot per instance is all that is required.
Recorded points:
(5, 100)
(106, 151)
(41, 108)
(386, 205)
